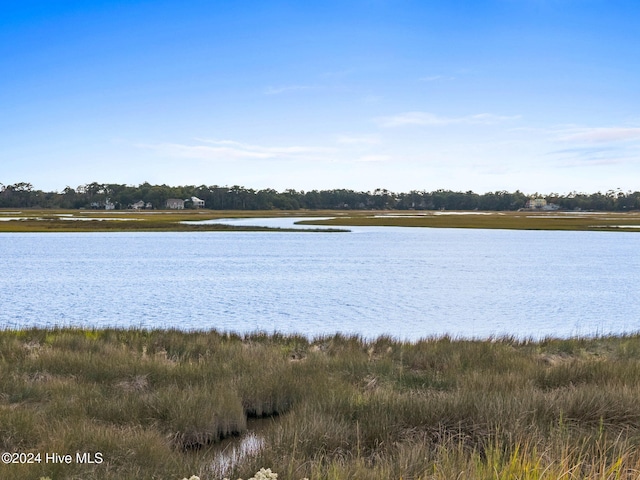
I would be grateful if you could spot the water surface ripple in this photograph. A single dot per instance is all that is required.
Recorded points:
(404, 282)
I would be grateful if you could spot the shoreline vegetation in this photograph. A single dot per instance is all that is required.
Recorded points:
(122, 197)
(34, 220)
(157, 403)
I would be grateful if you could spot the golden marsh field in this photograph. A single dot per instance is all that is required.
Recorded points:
(159, 220)
(522, 220)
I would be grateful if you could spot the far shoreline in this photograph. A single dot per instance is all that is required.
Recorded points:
(39, 220)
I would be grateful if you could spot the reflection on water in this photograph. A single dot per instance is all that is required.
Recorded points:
(233, 451)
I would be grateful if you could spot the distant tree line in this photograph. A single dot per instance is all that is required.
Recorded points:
(120, 196)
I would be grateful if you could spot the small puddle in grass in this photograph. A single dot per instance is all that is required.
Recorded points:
(231, 451)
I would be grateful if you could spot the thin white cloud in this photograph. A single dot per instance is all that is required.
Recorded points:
(411, 118)
(221, 150)
(431, 119)
(595, 146)
(176, 150)
(600, 135)
(266, 150)
(489, 118)
(579, 162)
(358, 139)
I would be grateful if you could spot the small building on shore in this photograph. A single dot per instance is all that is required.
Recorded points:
(540, 204)
(175, 204)
(197, 202)
(536, 204)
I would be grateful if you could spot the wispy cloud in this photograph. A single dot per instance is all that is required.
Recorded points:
(599, 135)
(432, 120)
(487, 118)
(431, 78)
(222, 150)
(596, 146)
(589, 156)
(358, 139)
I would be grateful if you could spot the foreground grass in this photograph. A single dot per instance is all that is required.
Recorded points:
(155, 405)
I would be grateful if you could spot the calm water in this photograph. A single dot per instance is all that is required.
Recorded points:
(408, 283)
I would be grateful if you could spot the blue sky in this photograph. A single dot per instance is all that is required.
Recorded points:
(536, 95)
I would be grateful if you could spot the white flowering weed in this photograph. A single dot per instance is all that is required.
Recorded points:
(263, 474)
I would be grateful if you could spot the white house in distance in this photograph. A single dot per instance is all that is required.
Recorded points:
(178, 204)
(197, 202)
(175, 204)
(141, 205)
(540, 204)
(536, 203)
